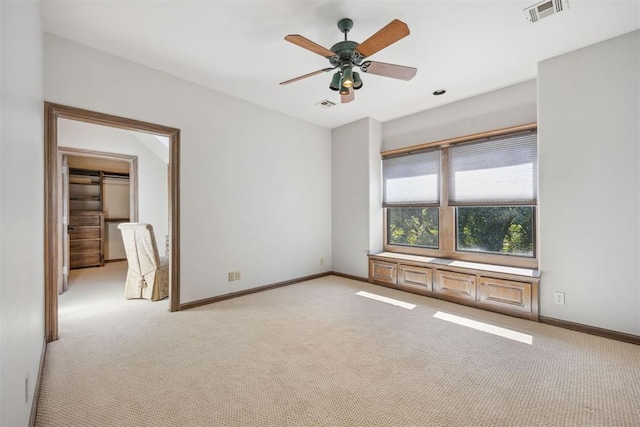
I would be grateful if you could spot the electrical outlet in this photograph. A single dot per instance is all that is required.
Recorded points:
(237, 275)
(321, 261)
(558, 298)
(231, 276)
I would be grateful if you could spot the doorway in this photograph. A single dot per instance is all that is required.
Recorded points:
(54, 252)
(95, 181)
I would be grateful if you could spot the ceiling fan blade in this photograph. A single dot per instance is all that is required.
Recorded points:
(295, 79)
(348, 98)
(389, 70)
(304, 42)
(388, 35)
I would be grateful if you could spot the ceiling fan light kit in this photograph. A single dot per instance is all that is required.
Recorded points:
(357, 81)
(346, 55)
(335, 82)
(347, 77)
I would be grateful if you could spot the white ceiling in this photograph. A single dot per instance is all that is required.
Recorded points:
(238, 47)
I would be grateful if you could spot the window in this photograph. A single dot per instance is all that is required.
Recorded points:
(473, 200)
(411, 194)
(413, 227)
(495, 229)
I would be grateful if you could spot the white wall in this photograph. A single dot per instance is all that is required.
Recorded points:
(356, 199)
(589, 149)
(153, 143)
(21, 208)
(375, 188)
(152, 171)
(510, 106)
(255, 184)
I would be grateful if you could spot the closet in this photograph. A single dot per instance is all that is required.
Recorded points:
(86, 219)
(98, 201)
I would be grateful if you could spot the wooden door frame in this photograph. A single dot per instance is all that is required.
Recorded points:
(52, 205)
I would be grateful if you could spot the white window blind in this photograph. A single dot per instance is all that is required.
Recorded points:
(502, 171)
(411, 180)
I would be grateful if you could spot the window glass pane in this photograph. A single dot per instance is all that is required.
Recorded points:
(411, 179)
(413, 227)
(496, 229)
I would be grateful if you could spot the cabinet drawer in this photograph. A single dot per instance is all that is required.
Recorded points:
(85, 245)
(505, 294)
(384, 272)
(84, 220)
(84, 233)
(415, 279)
(85, 259)
(457, 285)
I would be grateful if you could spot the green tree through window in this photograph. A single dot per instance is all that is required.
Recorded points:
(496, 229)
(413, 227)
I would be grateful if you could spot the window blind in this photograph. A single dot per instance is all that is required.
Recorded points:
(502, 171)
(411, 180)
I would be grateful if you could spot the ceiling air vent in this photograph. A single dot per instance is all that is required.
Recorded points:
(544, 9)
(326, 104)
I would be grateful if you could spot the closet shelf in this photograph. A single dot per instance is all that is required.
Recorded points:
(72, 182)
(85, 198)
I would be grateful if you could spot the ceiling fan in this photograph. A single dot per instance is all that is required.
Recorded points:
(346, 55)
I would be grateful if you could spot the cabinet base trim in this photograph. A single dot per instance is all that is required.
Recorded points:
(591, 330)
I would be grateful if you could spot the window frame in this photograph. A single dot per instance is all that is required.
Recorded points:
(447, 215)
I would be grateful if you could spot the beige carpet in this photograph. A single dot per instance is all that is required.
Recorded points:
(317, 354)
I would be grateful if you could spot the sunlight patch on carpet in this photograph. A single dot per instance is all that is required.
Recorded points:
(485, 327)
(387, 300)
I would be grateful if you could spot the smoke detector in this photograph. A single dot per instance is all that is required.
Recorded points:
(544, 9)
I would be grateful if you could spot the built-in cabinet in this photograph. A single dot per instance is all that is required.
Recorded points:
(96, 198)
(86, 239)
(507, 290)
(86, 218)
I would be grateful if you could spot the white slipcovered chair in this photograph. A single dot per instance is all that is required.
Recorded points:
(148, 274)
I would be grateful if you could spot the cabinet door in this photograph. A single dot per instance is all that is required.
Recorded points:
(415, 279)
(457, 285)
(506, 294)
(384, 272)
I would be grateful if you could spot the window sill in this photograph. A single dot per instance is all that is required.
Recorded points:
(478, 258)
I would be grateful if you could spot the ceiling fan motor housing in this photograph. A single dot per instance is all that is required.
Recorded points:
(345, 51)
